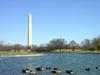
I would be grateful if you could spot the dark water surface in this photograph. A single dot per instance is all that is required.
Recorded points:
(64, 61)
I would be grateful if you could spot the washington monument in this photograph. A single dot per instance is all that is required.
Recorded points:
(30, 31)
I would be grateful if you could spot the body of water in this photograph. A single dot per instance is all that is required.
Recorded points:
(64, 61)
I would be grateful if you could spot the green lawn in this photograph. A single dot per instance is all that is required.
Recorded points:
(78, 51)
(8, 53)
(5, 53)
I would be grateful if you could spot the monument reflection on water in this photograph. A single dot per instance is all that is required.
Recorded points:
(79, 63)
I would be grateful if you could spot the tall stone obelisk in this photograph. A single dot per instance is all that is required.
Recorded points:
(30, 31)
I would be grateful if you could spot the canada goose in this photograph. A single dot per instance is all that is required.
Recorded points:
(56, 71)
(28, 71)
(96, 67)
(25, 70)
(39, 69)
(87, 69)
(55, 68)
(69, 71)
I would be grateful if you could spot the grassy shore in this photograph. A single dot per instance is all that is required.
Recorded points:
(77, 51)
(31, 53)
(18, 53)
(87, 51)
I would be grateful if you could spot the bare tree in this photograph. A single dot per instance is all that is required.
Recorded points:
(57, 44)
(18, 47)
(73, 45)
(96, 43)
(86, 44)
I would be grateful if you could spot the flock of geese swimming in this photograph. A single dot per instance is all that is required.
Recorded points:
(54, 70)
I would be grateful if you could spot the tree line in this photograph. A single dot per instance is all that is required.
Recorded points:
(57, 44)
